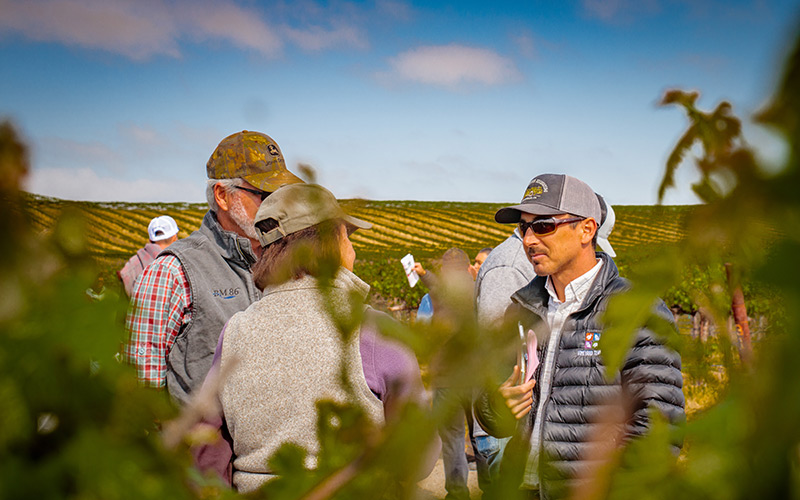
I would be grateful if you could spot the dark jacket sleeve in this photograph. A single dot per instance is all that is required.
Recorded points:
(652, 375)
(493, 415)
(490, 409)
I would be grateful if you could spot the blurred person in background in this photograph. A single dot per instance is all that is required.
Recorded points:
(162, 231)
(183, 299)
(505, 270)
(285, 352)
(425, 309)
(451, 402)
(480, 257)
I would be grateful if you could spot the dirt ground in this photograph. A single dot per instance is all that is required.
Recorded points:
(432, 487)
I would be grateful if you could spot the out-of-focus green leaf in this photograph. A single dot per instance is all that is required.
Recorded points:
(647, 465)
(70, 233)
(16, 424)
(293, 479)
(626, 313)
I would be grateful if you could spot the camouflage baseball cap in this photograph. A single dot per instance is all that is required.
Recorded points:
(251, 156)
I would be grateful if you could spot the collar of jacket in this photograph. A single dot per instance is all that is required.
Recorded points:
(151, 249)
(343, 280)
(534, 296)
(232, 247)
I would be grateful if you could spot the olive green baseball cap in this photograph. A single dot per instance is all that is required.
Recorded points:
(298, 206)
(252, 156)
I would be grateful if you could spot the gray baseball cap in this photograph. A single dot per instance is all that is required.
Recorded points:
(554, 194)
(298, 206)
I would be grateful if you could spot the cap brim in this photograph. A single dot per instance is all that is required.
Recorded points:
(355, 222)
(271, 181)
(164, 236)
(508, 215)
(605, 245)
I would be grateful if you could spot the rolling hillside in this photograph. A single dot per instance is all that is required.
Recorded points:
(426, 229)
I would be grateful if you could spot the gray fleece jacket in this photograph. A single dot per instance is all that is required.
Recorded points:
(505, 270)
(286, 354)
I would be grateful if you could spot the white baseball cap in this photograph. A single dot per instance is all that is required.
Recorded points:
(606, 226)
(161, 228)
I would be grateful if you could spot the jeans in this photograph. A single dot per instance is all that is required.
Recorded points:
(488, 455)
(451, 430)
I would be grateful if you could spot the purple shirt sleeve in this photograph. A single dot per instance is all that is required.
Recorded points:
(216, 456)
(393, 374)
(390, 368)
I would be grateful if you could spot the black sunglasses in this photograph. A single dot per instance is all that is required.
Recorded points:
(261, 194)
(543, 227)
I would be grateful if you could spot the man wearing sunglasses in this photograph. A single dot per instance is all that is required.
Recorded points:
(555, 411)
(506, 270)
(186, 295)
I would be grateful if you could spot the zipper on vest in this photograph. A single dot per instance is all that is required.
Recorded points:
(239, 249)
(253, 291)
(546, 403)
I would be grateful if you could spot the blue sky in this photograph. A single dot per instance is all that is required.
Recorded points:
(466, 101)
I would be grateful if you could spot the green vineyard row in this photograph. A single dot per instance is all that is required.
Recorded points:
(399, 227)
(425, 229)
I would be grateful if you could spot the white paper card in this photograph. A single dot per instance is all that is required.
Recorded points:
(408, 266)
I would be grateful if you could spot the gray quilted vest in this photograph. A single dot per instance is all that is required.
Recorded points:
(217, 266)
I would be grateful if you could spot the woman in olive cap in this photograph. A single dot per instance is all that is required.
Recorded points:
(286, 351)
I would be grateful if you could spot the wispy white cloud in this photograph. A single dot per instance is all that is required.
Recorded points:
(526, 44)
(619, 11)
(453, 66)
(135, 29)
(399, 11)
(314, 26)
(86, 184)
(316, 38)
(244, 28)
(141, 135)
(695, 61)
(137, 162)
(83, 152)
(144, 29)
(533, 46)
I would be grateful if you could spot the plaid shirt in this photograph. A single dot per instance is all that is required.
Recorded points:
(160, 304)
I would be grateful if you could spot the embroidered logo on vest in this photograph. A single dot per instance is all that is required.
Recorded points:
(225, 293)
(591, 344)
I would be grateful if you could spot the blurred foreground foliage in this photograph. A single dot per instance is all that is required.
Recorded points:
(747, 445)
(74, 422)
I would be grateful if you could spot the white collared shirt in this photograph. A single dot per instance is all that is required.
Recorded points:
(557, 314)
(574, 293)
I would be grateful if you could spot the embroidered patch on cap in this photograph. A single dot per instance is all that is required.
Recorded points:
(537, 188)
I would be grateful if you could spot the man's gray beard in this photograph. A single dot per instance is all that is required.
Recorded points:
(239, 216)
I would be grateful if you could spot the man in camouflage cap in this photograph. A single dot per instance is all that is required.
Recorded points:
(186, 295)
